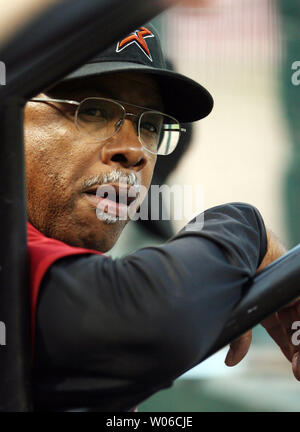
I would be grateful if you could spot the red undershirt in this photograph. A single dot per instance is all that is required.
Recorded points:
(43, 252)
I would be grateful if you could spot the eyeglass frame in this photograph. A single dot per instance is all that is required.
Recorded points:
(126, 114)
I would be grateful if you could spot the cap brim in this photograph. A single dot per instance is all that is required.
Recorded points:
(183, 98)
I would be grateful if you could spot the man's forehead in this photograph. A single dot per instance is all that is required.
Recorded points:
(131, 87)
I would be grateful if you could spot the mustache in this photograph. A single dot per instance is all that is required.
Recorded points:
(114, 176)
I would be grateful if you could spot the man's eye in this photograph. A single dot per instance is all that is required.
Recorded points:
(94, 112)
(149, 127)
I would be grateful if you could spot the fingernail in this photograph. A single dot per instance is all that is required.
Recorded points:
(295, 358)
(229, 358)
(296, 365)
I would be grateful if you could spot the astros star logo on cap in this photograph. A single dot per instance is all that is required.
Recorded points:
(137, 37)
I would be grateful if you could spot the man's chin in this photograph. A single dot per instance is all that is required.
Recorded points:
(82, 227)
(100, 236)
(83, 232)
(79, 225)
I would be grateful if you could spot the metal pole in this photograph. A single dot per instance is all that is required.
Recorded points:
(14, 296)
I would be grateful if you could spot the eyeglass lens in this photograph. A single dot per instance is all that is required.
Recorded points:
(101, 118)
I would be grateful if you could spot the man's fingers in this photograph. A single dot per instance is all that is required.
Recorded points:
(295, 302)
(238, 349)
(296, 366)
(288, 315)
(279, 327)
(276, 330)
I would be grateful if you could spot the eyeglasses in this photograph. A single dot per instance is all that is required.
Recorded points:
(103, 118)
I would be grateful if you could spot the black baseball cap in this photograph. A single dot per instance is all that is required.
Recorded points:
(141, 51)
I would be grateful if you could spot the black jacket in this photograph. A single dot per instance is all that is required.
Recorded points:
(111, 332)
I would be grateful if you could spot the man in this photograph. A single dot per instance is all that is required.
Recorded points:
(109, 333)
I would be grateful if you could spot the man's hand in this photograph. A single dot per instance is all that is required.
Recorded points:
(279, 327)
(239, 348)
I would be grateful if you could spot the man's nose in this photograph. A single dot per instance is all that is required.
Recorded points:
(124, 149)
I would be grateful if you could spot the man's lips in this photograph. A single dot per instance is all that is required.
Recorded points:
(111, 198)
